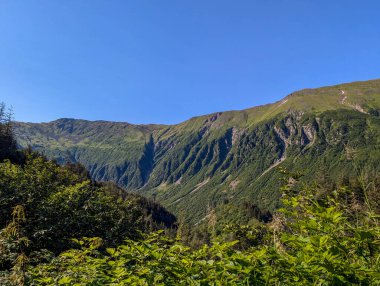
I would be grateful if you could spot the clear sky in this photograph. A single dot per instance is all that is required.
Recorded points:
(164, 61)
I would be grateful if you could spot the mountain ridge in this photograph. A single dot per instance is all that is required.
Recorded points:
(222, 160)
(303, 90)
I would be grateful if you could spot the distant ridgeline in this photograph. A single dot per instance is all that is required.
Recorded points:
(227, 162)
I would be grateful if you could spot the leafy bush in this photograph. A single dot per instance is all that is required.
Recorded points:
(332, 239)
(43, 206)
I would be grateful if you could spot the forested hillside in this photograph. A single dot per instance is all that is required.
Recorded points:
(226, 162)
(44, 206)
(60, 227)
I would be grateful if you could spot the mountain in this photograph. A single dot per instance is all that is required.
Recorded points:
(226, 161)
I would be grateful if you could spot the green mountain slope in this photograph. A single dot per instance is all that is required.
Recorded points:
(226, 161)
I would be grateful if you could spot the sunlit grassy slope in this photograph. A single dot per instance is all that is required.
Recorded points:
(226, 160)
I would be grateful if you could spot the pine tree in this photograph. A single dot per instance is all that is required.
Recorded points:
(8, 144)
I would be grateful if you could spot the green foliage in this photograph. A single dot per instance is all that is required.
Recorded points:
(12, 249)
(313, 240)
(58, 205)
(44, 206)
(8, 148)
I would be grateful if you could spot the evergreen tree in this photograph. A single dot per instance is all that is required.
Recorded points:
(8, 144)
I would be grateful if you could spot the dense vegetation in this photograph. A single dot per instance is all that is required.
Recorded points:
(328, 238)
(44, 206)
(60, 227)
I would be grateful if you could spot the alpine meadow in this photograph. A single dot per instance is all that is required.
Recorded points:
(143, 190)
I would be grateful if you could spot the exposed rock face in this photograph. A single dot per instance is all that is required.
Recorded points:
(236, 134)
(308, 135)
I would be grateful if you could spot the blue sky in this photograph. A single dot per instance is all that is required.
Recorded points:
(166, 61)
